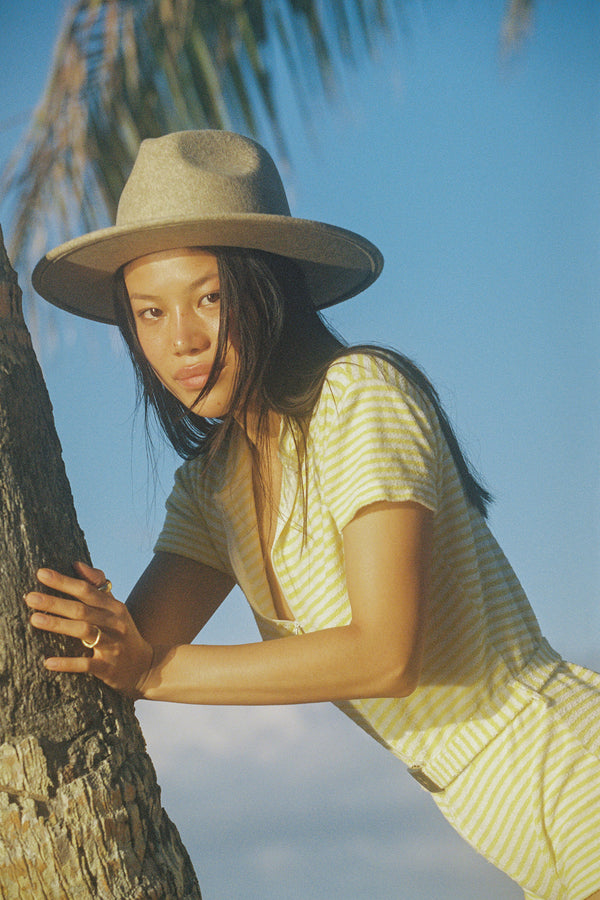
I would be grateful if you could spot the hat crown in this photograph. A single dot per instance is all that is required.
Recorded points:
(198, 174)
(203, 189)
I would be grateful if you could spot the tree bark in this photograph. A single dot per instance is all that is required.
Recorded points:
(80, 811)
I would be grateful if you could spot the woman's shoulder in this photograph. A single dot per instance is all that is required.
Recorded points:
(367, 385)
(357, 365)
(364, 370)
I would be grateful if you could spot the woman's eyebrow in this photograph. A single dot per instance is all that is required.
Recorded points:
(198, 283)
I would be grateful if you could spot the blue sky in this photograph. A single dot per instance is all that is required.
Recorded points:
(478, 178)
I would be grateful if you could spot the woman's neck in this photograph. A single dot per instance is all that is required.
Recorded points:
(261, 433)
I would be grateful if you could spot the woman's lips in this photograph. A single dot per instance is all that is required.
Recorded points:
(192, 377)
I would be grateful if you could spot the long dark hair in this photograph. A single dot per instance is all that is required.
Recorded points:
(285, 349)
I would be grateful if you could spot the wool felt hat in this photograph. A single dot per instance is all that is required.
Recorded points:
(203, 189)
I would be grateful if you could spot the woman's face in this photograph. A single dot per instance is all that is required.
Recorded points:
(174, 296)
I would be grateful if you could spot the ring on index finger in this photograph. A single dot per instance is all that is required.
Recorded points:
(105, 587)
(91, 644)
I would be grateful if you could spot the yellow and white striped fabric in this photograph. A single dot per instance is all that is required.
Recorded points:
(530, 801)
(374, 436)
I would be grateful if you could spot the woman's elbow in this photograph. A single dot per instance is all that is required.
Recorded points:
(404, 683)
(384, 668)
(398, 679)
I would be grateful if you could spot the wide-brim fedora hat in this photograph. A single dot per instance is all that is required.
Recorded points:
(203, 189)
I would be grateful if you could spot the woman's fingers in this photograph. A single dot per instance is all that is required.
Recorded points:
(61, 608)
(74, 664)
(90, 593)
(83, 618)
(83, 631)
(95, 577)
(120, 656)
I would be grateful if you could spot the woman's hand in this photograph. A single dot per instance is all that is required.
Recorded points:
(120, 656)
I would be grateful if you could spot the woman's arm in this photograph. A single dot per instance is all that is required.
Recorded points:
(387, 550)
(170, 603)
(175, 597)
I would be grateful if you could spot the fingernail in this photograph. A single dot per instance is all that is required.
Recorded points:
(44, 573)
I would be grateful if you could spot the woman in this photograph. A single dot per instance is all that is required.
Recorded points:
(328, 484)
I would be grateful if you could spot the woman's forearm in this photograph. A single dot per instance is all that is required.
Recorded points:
(334, 664)
(194, 592)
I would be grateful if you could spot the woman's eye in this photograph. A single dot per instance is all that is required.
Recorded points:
(150, 314)
(209, 299)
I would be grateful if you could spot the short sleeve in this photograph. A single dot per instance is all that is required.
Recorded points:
(192, 526)
(377, 439)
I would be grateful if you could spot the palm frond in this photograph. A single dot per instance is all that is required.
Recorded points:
(124, 70)
(518, 21)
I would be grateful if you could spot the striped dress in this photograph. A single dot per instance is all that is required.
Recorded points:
(488, 675)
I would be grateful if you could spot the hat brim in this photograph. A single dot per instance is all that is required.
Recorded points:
(78, 276)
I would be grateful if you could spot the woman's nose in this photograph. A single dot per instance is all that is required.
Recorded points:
(188, 336)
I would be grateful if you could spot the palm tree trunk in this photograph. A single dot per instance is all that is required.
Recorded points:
(80, 812)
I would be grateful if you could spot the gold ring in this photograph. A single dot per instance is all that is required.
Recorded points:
(105, 587)
(91, 644)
